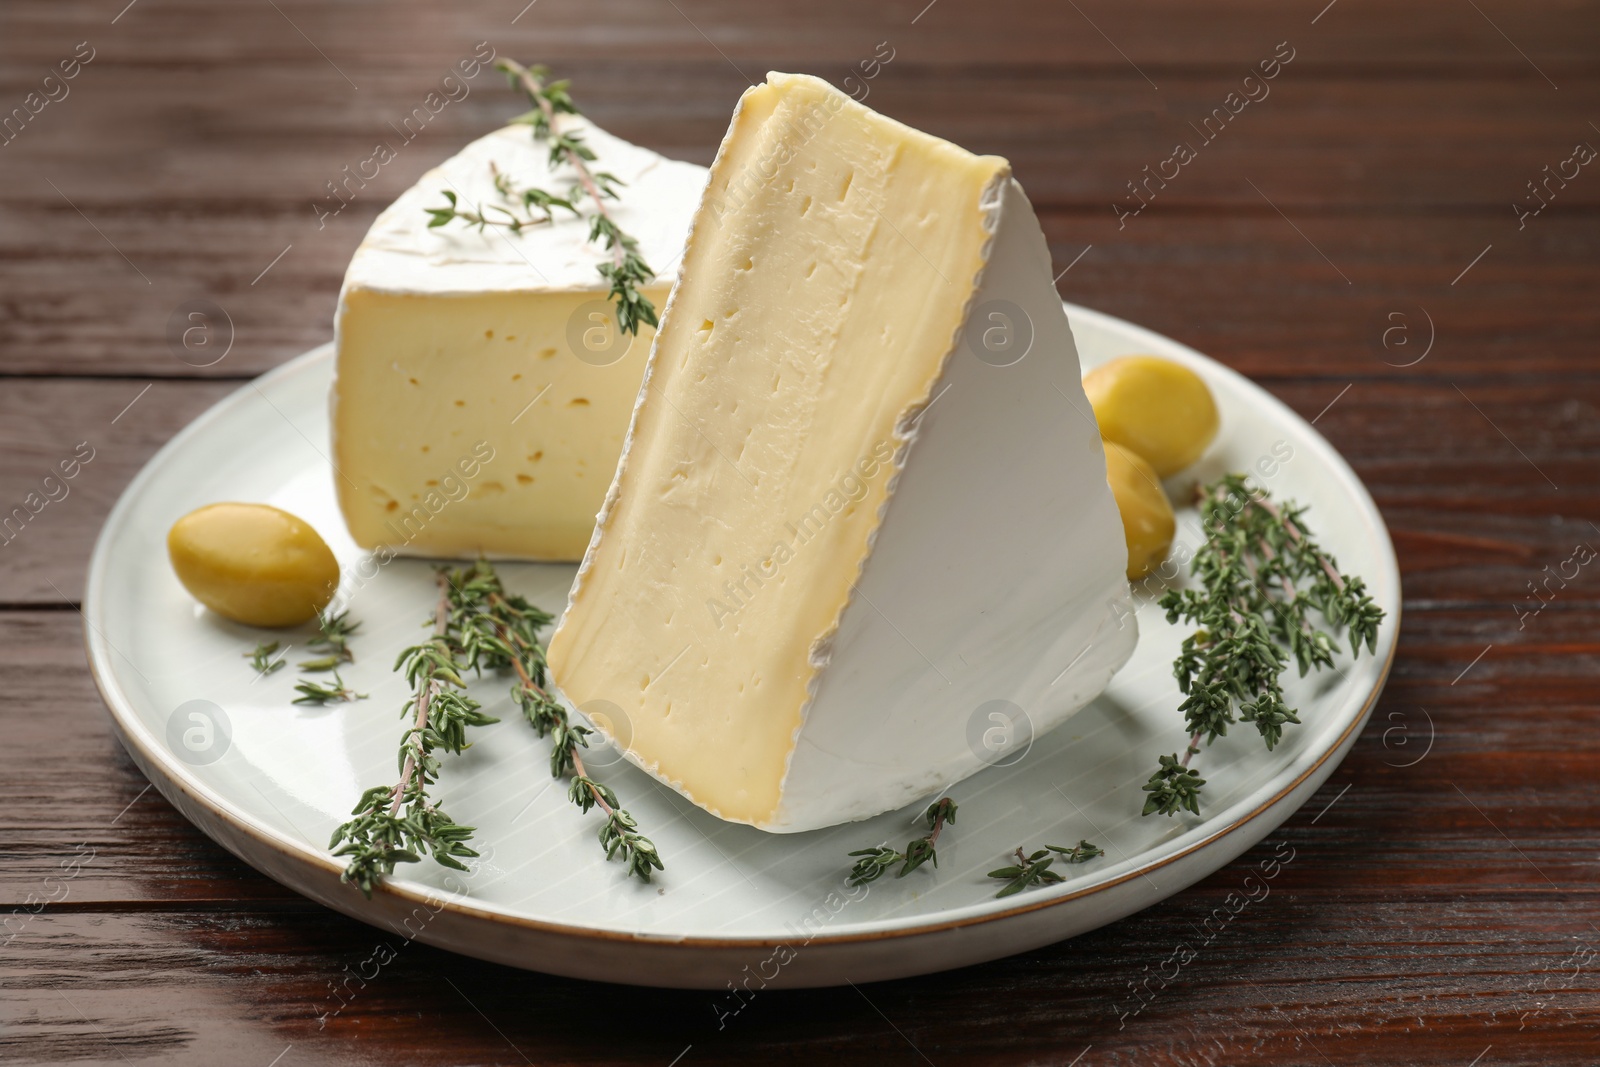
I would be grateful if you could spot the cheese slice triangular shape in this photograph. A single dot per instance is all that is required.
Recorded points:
(860, 542)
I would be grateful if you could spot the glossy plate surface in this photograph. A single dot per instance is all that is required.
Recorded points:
(270, 781)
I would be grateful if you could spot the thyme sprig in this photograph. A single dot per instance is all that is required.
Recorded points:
(508, 639)
(1262, 577)
(261, 660)
(313, 692)
(333, 639)
(626, 270)
(334, 636)
(874, 862)
(1034, 868)
(538, 208)
(477, 627)
(399, 823)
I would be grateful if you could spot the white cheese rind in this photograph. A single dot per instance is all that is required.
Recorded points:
(997, 573)
(401, 254)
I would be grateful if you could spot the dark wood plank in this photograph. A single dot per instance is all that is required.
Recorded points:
(1458, 144)
(93, 292)
(1424, 36)
(1346, 298)
(1282, 984)
(1248, 289)
(116, 426)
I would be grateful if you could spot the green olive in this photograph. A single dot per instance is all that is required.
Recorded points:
(1147, 520)
(253, 563)
(1158, 408)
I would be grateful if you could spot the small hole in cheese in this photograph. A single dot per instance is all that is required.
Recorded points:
(578, 402)
(524, 479)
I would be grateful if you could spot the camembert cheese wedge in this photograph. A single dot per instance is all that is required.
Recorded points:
(483, 390)
(862, 509)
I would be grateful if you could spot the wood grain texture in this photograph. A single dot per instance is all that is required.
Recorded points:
(1443, 903)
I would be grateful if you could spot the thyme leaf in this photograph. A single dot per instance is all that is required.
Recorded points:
(312, 692)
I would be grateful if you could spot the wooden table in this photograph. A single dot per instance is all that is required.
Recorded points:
(1351, 241)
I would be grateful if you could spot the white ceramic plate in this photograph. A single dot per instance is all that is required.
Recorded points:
(270, 781)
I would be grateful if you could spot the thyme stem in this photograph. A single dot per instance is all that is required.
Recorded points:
(874, 861)
(510, 627)
(524, 678)
(425, 691)
(627, 271)
(1294, 532)
(534, 88)
(393, 824)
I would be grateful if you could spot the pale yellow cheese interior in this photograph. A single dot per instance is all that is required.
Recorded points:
(428, 384)
(829, 270)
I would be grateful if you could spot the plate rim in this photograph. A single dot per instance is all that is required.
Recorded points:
(133, 734)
